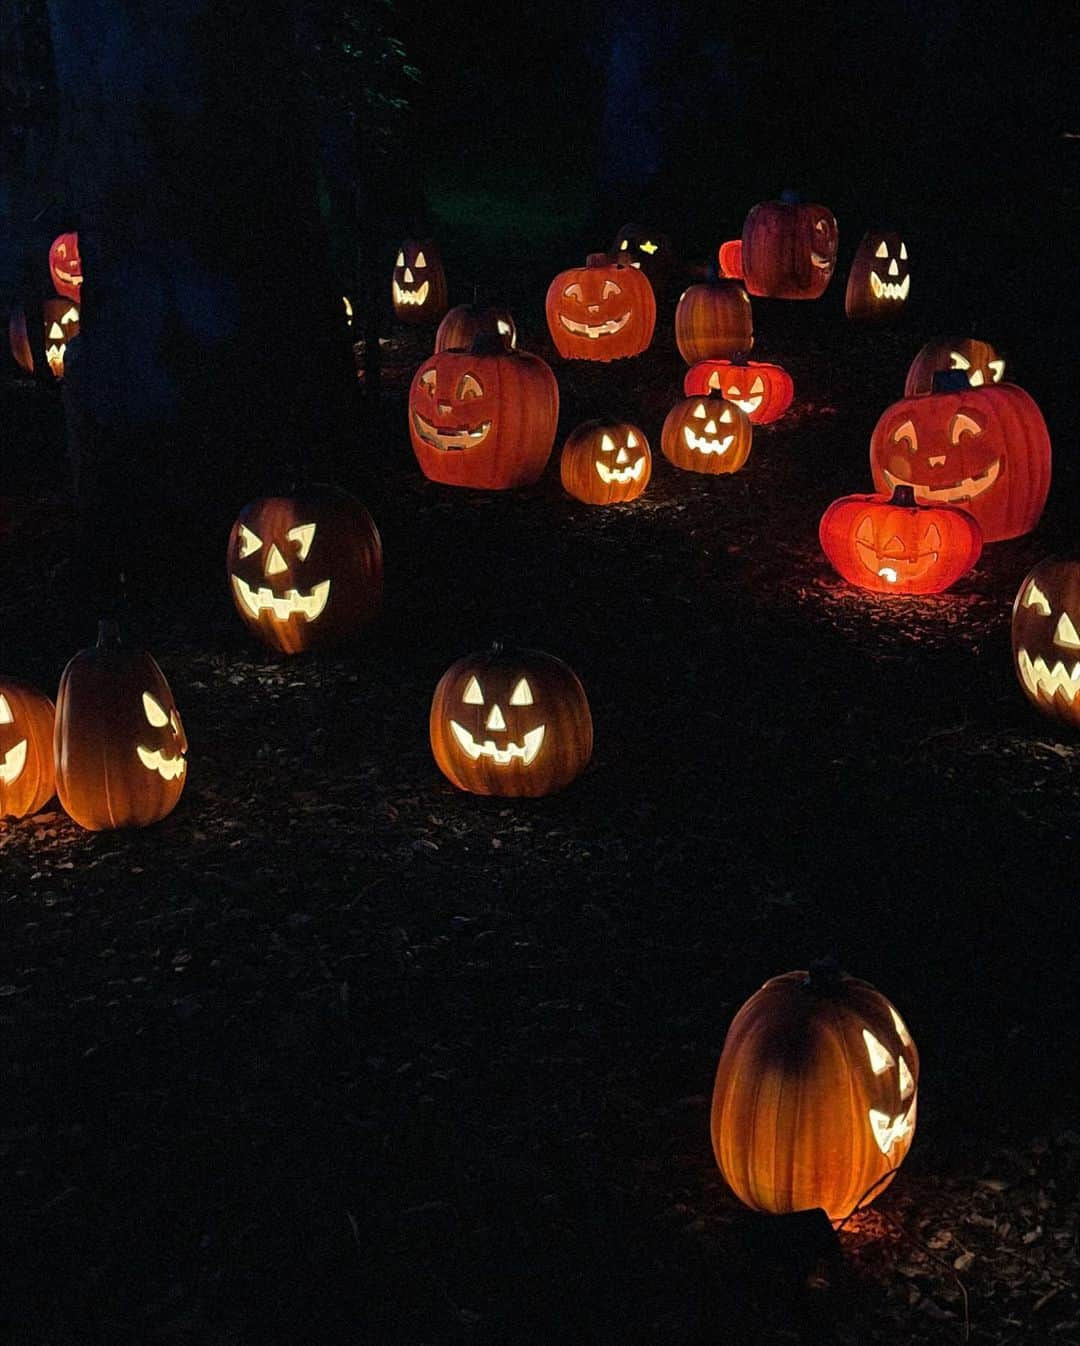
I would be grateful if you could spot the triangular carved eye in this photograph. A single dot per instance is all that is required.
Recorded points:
(699, 411)
(154, 711)
(1035, 598)
(400, 259)
(6, 716)
(958, 361)
(865, 533)
(757, 387)
(894, 547)
(609, 289)
(631, 440)
(725, 416)
(428, 379)
(522, 694)
(472, 695)
(574, 292)
(470, 387)
(906, 431)
(714, 379)
(303, 535)
(72, 315)
(963, 424)
(932, 540)
(880, 1058)
(607, 444)
(421, 260)
(882, 250)
(249, 542)
(903, 252)
(1066, 633)
(905, 1080)
(997, 368)
(901, 1027)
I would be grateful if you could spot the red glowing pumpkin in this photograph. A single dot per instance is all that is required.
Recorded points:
(977, 359)
(65, 266)
(789, 249)
(27, 777)
(763, 391)
(730, 258)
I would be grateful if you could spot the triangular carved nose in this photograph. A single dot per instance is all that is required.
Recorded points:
(495, 719)
(894, 270)
(275, 562)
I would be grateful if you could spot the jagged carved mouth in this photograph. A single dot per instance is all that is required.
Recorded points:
(955, 494)
(168, 768)
(1045, 679)
(893, 569)
(523, 752)
(822, 262)
(450, 441)
(417, 296)
(887, 1131)
(620, 475)
(702, 445)
(12, 763)
(291, 603)
(594, 330)
(54, 358)
(890, 289)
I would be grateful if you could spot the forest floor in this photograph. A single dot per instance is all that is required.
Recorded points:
(338, 1053)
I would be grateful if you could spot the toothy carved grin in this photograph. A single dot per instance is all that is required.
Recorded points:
(822, 263)
(1039, 677)
(12, 763)
(450, 441)
(523, 752)
(889, 289)
(893, 569)
(54, 358)
(887, 1131)
(284, 606)
(67, 276)
(702, 445)
(620, 474)
(747, 404)
(955, 494)
(418, 296)
(168, 768)
(594, 330)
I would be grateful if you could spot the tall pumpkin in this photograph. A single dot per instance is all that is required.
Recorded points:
(418, 287)
(713, 319)
(27, 777)
(120, 746)
(601, 311)
(484, 418)
(789, 249)
(815, 1095)
(879, 280)
(977, 359)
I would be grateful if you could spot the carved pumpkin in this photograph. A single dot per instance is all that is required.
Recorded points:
(418, 288)
(763, 391)
(977, 359)
(27, 778)
(815, 1095)
(879, 280)
(462, 325)
(789, 249)
(895, 546)
(730, 258)
(601, 311)
(706, 434)
(510, 722)
(305, 570)
(713, 319)
(65, 266)
(984, 449)
(605, 462)
(1046, 638)
(120, 746)
(60, 322)
(647, 249)
(484, 418)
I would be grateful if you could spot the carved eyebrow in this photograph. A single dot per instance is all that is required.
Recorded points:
(963, 424)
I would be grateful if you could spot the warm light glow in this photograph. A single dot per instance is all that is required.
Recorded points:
(620, 475)
(906, 432)
(594, 330)
(450, 441)
(249, 542)
(1041, 678)
(275, 562)
(12, 762)
(901, 1027)
(470, 387)
(963, 424)
(6, 716)
(702, 445)
(525, 752)
(997, 368)
(888, 1130)
(1035, 598)
(417, 296)
(955, 494)
(906, 1080)
(303, 535)
(289, 604)
(168, 768)
(522, 693)
(154, 711)
(889, 289)
(1065, 634)
(473, 696)
(880, 1059)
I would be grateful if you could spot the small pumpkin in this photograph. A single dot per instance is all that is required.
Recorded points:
(729, 256)
(484, 418)
(706, 434)
(648, 249)
(121, 750)
(789, 249)
(510, 722)
(713, 319)
(815, 1095)
(305, 570)
(1046, 638)
(27, 777)
(65, 266)
(762, 390)
(897, 546)
(605, 462)
(977, 359)
(879, 280)
(601, 311)
(418, 288)
(61, 319)
(463, 324)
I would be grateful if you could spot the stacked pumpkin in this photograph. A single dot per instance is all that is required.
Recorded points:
(58, 315)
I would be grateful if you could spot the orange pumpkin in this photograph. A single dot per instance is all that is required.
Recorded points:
(713, 319)
(65, 266)
(706, 434)
(789, 249)
(418, 287)
(27, 778)
(977, 359)
(60, 323)
(601, 311)
(605, 462)
(815, 1095)
(463, 324)
(729, 256)
(763, 391)
(879, 280)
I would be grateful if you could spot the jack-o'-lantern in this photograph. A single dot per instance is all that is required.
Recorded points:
(713, 319)
(601, 311)
(484, 418)
(789, 249)
(418, 288)
(510, 722)
(605, 462)
(463, 324)
(985, 449)
(648, 250)
(729, 256)
(305, 570)
(65, 266)
(120, 747)
(27, 778)
(815, 1096)
(977, 359)
(763, 391)
(896, 546)
(61, 320)
(706, 434)
(879, 280)
(1046, 638)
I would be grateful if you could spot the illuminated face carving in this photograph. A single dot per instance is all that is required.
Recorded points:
(26, 753)
(646, 250)
(510, 724)
(605, 462)
(706, 434)
(65, 266)
(463, 324)
(1046, 638)
(977, 359)
(892, 1120)
(451, 438)
(305, 570)
(61, 324)
(879, 281)
(789, 249)
(762, 391)
(418, 288)
(602, 311)
(165, 754)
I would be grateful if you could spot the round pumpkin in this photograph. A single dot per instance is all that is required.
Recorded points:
(789, 249)
(729, 256)
(463, 324)
(605, 462)
(65, 266)
(977, 359)
(120, 747)
(27, 777)
(1046, 638)
(418, 288)
(601, 311)
(879, 280)
(985, 449)
(706, 434)
(647, 249)
(484, 418)
(305, 570)
(510, 722)
(763, 391)
(815, 1095)
(713, 319)
(896, 546)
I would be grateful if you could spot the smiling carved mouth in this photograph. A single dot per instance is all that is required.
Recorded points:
(893, 569)
(450, 441)
(889, 289)
(54, 358)
(822, 263)
(309, 605)
(1040, 677)
(620, 474)
(169, 768)
(593, 330)
(418, 296)
(523, 752)
(955, 494)
(12, 763)
(68, 277)
(702, 445)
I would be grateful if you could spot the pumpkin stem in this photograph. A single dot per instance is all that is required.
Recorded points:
(823, 977)
(108, 634)
(904, 496)
(740, 358)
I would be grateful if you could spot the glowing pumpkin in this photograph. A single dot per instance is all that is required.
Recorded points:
(27, 778)
(815, 1095)
(60, 323)
(713, 319)
(418, 288)
(706, 434)
(977, 359)
(1046, 638)
(65, 266)
(763, 391)
(729, 256)
(789, 249)
(605, 462)
(463, 324)
(601, 311)
(879, 280)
